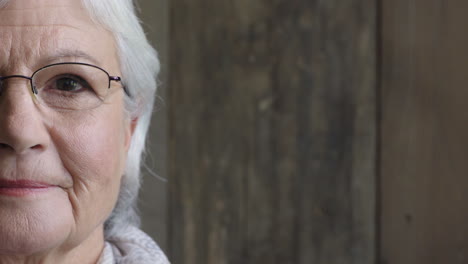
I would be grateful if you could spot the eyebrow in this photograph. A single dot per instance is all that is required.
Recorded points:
(64, 54)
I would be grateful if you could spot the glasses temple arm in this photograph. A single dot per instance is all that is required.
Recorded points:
(118, 79)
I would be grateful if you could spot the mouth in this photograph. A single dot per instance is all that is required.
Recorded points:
(22, 187)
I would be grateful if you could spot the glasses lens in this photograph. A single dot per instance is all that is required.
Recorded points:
(71, 86)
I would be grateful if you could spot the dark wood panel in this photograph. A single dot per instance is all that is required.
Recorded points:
(424, 132)
(272, 131)
(153, 195)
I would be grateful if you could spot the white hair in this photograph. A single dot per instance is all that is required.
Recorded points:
(139, 66)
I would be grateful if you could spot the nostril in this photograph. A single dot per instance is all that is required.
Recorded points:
(38, 146)
(4, 146)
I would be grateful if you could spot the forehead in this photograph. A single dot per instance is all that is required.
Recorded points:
(34, 33)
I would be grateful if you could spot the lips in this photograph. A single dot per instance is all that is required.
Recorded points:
(22, 187)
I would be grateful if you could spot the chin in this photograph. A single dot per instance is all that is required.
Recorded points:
(33, 226)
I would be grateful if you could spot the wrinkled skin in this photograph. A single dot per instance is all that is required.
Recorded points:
(80, 154)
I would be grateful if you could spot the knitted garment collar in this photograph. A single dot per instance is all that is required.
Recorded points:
(132, 246)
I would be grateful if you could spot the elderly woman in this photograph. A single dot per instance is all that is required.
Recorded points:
(77, 81)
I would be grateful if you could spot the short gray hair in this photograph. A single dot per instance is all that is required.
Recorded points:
(139, 66)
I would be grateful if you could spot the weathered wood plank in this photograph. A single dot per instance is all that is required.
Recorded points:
(424, 117)
(273, 131)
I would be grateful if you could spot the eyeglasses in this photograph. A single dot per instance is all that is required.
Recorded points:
(69, 85)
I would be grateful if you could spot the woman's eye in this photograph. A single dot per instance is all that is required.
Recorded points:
(69, 84)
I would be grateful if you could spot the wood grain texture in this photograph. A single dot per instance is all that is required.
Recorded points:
(424, 132)
(272, 132)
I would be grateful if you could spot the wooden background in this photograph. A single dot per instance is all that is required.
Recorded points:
(310, 132)
(272, 131)
(424, 216)
(153, 196)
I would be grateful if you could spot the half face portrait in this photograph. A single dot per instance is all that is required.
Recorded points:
(77, 80)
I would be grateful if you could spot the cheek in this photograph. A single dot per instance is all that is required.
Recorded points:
(92, 150)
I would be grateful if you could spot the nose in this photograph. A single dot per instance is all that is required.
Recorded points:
(22, 128)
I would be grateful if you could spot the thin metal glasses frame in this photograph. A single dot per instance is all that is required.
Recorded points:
(34, 90)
